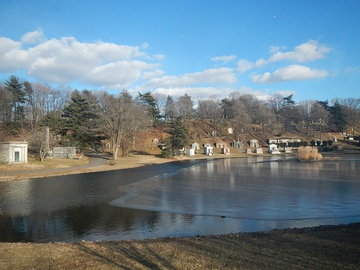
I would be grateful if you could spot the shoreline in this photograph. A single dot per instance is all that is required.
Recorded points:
(130, 162)
(321, 247)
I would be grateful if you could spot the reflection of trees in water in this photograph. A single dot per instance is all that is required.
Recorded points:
(72, 223)
(13, 229)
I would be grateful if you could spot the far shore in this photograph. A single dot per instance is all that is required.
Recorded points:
(57, 167)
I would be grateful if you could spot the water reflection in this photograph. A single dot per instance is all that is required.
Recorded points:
(214, 197)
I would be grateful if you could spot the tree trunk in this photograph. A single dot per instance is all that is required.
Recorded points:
(115, 151)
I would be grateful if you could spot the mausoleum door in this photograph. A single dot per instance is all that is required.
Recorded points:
(17, 156)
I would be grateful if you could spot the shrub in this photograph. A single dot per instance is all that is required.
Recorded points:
(309, 153)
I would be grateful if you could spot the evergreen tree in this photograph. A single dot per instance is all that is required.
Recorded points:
(81, 119)
(166, 151)
(179, 135)
(337, 117)
(152, 106)
(18, 97)
(53, 121)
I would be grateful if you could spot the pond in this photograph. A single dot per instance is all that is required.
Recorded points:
(189, 198)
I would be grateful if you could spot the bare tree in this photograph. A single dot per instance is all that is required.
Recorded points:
(170, 111)
(352, 112)
(161, 101)
(185, 108)
(138, 121)
(312, 113)
(40, 141)
(209, 109)
(276, 103)
(115, 113)
(44, 99)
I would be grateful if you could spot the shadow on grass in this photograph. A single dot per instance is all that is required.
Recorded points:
(324, 247)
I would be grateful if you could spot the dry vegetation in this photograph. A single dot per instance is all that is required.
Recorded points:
(308, 154)
(324, 247)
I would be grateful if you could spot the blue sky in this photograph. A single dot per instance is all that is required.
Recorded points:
(309, 48)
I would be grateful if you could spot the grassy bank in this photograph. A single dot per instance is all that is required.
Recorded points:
(324, 247)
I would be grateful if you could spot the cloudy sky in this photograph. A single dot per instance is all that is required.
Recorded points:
(200, 47)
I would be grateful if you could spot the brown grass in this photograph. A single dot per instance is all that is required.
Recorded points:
(325, 247)
(309, 153)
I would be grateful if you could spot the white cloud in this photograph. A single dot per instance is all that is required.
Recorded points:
(305, 52)
(33, 37)
(11, 55)
(67, 60)
(224, 58)
(244, 65)
(195, 93)
(209, 76)
(260, 94)
(274, 49)
(159, 56)
(290, 73)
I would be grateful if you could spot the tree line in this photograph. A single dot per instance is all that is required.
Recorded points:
(86, 118)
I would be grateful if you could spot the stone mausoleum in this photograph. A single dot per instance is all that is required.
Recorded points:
(14, 152)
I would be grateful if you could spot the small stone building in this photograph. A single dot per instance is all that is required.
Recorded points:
(225, 151)
(273, 149)
(64, 152)
(208, 150)
(220, 144)
(195, 146)
(13, 152)
(190, 152)
(237, 144)
(254, 143)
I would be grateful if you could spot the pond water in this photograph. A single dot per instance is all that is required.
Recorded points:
(182, 199)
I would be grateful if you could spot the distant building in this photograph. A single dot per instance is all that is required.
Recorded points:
(220, 144)
(254, 143)
(284, 140)
(190, 152)
(208, 150)
(273, 149)
(225, 151)
(195, 146)
(237, 144)
(13, 152)
(64, 152)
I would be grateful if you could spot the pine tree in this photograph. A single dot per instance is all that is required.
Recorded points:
(81, 119)
(18, 97)
(338, 117)
(152, 106)
(179, 135)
